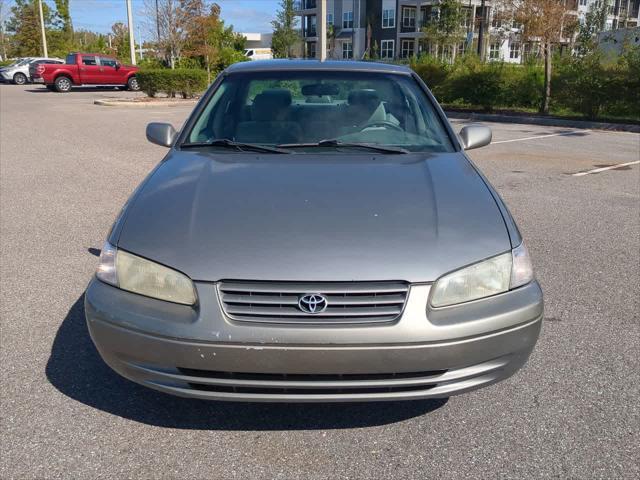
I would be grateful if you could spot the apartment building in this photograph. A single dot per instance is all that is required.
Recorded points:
(393, 29)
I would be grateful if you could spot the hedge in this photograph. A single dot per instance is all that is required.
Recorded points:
(184, 82)
(587, 85)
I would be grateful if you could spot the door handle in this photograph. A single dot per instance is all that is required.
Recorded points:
(82, 69)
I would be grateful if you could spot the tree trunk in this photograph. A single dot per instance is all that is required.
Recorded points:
(547, 79)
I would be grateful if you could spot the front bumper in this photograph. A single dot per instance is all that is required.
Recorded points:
(425, 354)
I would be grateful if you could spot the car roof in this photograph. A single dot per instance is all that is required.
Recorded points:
(299, 64)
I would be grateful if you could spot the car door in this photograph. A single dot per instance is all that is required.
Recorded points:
(109, 71)
(90, 70)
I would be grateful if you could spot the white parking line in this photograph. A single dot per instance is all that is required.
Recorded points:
(602, 169)
(540, 136)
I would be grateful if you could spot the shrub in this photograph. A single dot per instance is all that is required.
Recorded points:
(523, 86)
(186, 82)
(432, 71)
(475, 83)
(150, 63)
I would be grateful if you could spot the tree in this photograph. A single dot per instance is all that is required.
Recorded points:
(24, 24)
(203, 31)
(165, 21)
(3, 38)
(594, 22)
(285, 35)
(120, 41)
(445, 27)
(546, 21)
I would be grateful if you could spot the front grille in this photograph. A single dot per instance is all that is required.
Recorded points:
(310, 384)
(346, 302)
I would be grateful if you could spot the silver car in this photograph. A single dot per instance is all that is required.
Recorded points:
(316, 233)
(20, 71)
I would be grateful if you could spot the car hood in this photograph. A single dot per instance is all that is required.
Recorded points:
(314, 217)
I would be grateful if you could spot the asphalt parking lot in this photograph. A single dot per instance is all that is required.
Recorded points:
(68, 166)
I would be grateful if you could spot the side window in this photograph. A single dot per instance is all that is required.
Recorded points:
(71, 59)
(89, 60)
(107, 62)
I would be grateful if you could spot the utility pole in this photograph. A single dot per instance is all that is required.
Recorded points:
(132, 46)
(481, 32)
(321, 50)
(139, 43)
(44, 35)
(158, 21)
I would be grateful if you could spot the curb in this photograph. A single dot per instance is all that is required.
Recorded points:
(121, 103)
(550, 122)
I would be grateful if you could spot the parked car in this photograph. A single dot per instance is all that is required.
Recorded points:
(87, 69)
(20, 71)
(316, 232)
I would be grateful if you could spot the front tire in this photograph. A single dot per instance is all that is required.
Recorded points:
(132, 84)
(19, 78)
(63, 84)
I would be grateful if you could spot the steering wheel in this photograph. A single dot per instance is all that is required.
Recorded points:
(383, 123)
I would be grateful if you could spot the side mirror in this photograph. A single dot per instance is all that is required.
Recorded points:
(118, 65)
(475, 136)
(162, 134)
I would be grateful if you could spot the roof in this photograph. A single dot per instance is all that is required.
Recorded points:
(298, 64)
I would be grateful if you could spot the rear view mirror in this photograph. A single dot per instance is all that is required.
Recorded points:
(320, 89)
(475, 136)
(162, 134)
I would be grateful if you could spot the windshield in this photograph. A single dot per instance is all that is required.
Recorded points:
(18, 62)
(297, 110)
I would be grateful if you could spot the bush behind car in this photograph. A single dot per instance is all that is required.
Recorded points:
(182, 81)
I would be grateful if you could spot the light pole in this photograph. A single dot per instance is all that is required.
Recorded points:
(44, 35)
(481, 31)
(132, 47)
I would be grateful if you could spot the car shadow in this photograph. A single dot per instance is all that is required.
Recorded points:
(44, 89)
(76, 369)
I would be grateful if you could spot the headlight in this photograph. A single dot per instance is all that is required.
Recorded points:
(489, 277)
(138, 275)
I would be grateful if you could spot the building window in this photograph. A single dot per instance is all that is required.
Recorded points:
(311, 49)
(462, 48)
(310, 27)
(329, 18)
(347, 19)
(583, 3)
(407, 48)
(386, 48)
(514, 50)
(389, 18)
(494, 51)
(347, 50)
(409, 17)
(465, 21)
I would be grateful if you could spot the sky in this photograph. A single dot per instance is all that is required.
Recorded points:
(99, 15)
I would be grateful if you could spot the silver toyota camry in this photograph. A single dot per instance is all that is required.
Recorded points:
(316, 233)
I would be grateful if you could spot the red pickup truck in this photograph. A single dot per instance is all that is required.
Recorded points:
(86, 69)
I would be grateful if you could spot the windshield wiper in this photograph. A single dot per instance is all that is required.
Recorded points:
(338, 143)
(240, 146)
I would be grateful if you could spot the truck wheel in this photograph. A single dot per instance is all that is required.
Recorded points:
(62, 84)
(19, 78)
(132, 84)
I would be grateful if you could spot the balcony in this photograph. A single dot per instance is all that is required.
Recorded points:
(300, 5)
